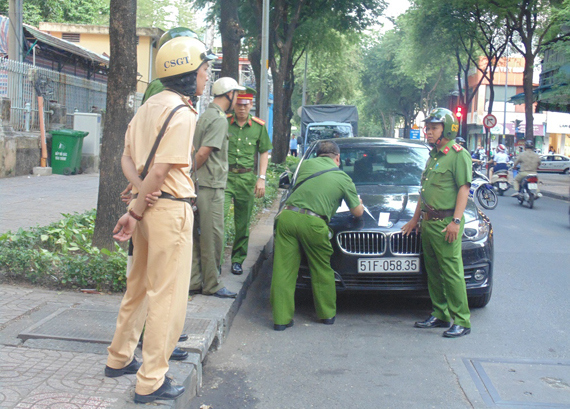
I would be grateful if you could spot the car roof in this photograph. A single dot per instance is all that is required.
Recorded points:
(372, 141)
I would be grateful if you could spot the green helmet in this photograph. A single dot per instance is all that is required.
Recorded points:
(445, 117)
(176, 32)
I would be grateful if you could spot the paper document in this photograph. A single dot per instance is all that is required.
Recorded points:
(384, 219)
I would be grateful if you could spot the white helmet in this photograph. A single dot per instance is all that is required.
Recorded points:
(224, 85)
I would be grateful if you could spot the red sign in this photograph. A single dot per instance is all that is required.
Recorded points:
(489, 121)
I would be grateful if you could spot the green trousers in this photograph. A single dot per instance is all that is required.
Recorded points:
(296, 231)
(208, 241)
(240, 188)
(446, 278)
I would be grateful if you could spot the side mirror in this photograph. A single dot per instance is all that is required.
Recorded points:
(284, 181)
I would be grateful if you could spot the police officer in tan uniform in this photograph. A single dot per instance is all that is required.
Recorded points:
(529, 163)
(157, 286)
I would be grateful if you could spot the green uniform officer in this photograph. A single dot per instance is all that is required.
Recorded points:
(303, 223)
(248, 137)
(211, 145)
(443, 197)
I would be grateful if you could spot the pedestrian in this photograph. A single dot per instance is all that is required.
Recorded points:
(248, 138)
(529, 162)
(443, 196)
(211, 146)
(293, 146)
(157, 285)
(155, 85)
(303, 223)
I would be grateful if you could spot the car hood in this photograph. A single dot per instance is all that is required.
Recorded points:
(398, 201)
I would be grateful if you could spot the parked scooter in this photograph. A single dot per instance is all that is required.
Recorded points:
(500, 181)
(528, 191)
(482, 189)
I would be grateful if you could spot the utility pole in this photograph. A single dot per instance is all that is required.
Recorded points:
(506, 88)
(16, 30)
(264, 86)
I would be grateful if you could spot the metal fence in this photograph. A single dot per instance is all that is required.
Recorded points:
(73, 93)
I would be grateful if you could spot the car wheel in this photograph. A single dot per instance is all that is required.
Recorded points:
(479, 301)
(566, 171)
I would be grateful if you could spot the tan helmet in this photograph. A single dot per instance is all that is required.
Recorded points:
(181, 55)
(224, 85)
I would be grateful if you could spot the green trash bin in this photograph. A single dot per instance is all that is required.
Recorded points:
(66, 148)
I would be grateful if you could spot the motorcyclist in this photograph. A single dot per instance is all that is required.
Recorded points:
(500, 159)
(529, 163)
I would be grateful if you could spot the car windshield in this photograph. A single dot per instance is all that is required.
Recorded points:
(384, 165)
(318, 132)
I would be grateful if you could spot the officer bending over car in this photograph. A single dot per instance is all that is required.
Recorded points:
(303, 223)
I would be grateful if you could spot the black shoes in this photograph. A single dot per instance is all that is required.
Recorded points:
(456, 331)
(328, 321)
(130, 369)
(283, 327)
(183, 337)
(178, 355)
(166, 392)
(432, 322)
(224, 293)
(195, 292)
(237, 269)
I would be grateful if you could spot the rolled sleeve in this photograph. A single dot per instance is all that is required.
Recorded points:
(463, 169)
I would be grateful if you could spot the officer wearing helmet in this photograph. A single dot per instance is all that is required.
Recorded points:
(529, 162)
(155, 85)
(157, 284)
(443, 197)
(211, 145)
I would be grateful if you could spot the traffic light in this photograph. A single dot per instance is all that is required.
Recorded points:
(459, 112)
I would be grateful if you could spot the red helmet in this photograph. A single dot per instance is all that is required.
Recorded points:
(501, 148)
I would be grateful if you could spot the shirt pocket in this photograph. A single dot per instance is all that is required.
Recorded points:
(442, 177)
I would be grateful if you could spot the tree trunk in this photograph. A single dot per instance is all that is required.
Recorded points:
(121, 86)
(528, 95)
(232, 34)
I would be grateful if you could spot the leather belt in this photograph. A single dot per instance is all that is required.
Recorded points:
(437, 214)
(165, 195)
(240, 170)
(305, 211)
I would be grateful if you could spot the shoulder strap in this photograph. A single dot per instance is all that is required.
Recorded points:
(314, 175)
(158, 139)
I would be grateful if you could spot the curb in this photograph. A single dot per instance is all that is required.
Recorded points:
(558, 196)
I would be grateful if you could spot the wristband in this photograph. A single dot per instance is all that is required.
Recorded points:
(135, 216)
(262, 177)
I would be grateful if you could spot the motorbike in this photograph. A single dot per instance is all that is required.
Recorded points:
(500, 181)
(482, 189)
(528, 191)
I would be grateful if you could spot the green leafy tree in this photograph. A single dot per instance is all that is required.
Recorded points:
(60, 11)
(530, 21)
(165, 14)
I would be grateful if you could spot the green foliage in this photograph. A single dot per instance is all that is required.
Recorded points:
(166, 14)
(59, 11)
(61, 255)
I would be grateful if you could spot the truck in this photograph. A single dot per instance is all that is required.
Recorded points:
(327, 122)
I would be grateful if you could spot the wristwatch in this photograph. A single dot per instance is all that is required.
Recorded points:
(262, 177)
(456, 220)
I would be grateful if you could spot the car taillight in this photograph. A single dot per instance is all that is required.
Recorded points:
(503, 177)
(532, 179)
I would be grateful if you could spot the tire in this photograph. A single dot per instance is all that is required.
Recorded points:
(501, 192)
(487, 198)
(566, 171)
(479, 301)
(530, 200)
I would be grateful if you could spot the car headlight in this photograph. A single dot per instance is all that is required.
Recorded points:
(475, 230)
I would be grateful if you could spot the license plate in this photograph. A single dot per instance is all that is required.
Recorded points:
(532, 185)
(502, 185)
(389, 265)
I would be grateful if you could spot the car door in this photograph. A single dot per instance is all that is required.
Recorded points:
(545, 162)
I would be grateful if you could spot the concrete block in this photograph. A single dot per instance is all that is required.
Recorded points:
(39, 171)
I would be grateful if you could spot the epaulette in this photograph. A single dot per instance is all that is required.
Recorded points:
(229, 115)
(258, 120)
(457, 147)
(445, 150)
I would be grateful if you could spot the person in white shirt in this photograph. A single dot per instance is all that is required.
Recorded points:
(500, 159)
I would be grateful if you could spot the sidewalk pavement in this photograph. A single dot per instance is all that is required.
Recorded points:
(53, 343)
